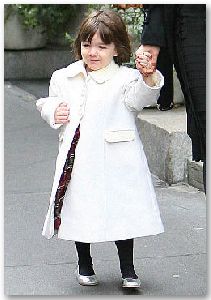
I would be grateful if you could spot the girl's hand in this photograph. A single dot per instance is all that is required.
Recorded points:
(143, 50)
(146, 68)
(62, 112)
(144, 63)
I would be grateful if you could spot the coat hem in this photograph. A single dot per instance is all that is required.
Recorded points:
(111, 239)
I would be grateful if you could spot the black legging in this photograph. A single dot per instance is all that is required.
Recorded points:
(125, 253)
(84, 258)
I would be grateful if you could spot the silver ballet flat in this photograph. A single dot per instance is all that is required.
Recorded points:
(131, 283)
(86, 280)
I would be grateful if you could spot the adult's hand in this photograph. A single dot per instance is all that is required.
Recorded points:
(154, 51)
(62, 112)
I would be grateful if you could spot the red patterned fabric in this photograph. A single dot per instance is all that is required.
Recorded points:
(65, 179)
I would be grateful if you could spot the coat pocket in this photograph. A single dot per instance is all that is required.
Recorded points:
(115, 136)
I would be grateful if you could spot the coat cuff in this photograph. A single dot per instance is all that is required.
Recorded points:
(139, 95)
(47, 107)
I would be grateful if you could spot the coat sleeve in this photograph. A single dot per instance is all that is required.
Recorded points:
(47, 106)
(137, 94)
(153, 32)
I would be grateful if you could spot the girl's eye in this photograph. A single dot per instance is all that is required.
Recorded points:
(102, 47)
(85, 45)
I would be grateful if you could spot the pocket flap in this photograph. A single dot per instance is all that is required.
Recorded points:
(119, 136)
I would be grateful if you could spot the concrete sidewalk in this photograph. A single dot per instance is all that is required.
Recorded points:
(171, 264)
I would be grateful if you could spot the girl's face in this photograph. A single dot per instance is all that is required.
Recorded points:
(96, 54)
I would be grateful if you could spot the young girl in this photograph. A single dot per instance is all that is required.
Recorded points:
(102, 189)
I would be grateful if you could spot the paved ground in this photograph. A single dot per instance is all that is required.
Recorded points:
(171, 264)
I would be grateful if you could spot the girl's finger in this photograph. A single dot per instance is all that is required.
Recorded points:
(63, 110)
(63, 104)
(62, 120)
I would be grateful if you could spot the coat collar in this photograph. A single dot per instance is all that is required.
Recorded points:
(100, 76)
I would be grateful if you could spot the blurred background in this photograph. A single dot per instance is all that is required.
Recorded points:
(38, 38)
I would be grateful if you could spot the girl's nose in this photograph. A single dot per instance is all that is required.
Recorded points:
(92, 51)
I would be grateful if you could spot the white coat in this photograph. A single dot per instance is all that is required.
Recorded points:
(110, 195)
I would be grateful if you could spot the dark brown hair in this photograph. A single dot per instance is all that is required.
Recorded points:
(111, 29)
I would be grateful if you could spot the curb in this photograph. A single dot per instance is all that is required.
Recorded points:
(168, 147)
